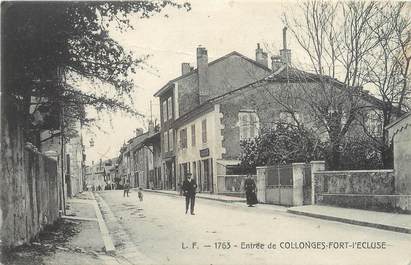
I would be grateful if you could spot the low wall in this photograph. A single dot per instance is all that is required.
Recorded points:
(363, 189)
(232, 185)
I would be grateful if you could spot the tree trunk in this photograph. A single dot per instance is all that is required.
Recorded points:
(387, 157)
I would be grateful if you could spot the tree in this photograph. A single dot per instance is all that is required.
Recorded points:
(43, 42)
(388, 71)
(284, 144)
(337, 39)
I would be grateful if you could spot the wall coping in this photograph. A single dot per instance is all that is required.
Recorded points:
(365, 194)
(317, 162)
(355, 171)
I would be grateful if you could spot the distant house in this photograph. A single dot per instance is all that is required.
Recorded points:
(139, 162)
(95, 177)
(192, 89)
(152, 143)
(74, 157)
(131, 161)
(110, 173)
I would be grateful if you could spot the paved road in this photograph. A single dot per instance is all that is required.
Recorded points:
(161, 231)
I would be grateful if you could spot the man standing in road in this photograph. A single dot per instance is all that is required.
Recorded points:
(126, 189)
(189, 190)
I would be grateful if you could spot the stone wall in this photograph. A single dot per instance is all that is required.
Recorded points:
(363, 189)
(29, 184)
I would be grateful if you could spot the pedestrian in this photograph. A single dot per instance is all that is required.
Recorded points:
(126, 189)
(189, 191)
(250, 191)
(140, 194)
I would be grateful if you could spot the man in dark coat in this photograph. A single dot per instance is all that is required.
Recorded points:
(250, 189)
(189, 190)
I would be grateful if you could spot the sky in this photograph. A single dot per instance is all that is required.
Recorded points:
(218, 25)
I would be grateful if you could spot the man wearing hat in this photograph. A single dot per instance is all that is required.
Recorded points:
(189, 190)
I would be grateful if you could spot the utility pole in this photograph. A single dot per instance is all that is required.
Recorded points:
(151, 111)
(63, 197)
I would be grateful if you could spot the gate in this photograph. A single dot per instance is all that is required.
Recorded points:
(279, 188)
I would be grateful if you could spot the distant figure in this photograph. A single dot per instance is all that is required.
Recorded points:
(189, 191)
(250, 191)
(140, 194)
(126, 189)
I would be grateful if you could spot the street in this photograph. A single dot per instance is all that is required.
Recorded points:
(231, 233)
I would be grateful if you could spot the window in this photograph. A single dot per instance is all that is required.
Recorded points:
(170, 108)
(165, 147)
(165, 110)
(374, 124)
(162, 143)
(170, 140)
(249, 124)
(183, 138)
(204, 131)
(194, 170)
(193, 135)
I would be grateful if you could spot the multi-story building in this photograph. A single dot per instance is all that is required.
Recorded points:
(139, 161)
(194, 88)
(208, 133)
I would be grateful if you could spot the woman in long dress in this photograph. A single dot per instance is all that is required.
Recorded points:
(250, 191)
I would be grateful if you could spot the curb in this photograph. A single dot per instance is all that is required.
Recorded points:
(353, 222)
(108, 243)
(198, 196)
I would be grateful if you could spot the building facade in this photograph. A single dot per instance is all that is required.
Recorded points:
(208, 136)
(193, 89)
(400, 135)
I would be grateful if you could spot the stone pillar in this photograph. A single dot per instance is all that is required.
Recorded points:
(315, 167)
(298, 183)
(261, 184)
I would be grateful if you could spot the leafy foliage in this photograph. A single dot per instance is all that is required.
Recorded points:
(360, 153)
(44, 41)
(284, 144)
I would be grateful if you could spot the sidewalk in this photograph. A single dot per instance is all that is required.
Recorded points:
(381, 220)
(75, 239)
(207, 196)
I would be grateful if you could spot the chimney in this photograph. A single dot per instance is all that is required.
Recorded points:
(285, 53)
(276, 63)
(139, 131)
(202, 68)
(261, 56)
(150, 127)
(185, 68)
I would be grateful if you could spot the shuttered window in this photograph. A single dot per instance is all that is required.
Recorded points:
(204, 131)
(248, 124)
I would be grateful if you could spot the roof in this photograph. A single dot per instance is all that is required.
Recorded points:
(166, 86)
(283, 74)
(291, 74)
(398, 125)
(403, 117)
(152, 138)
